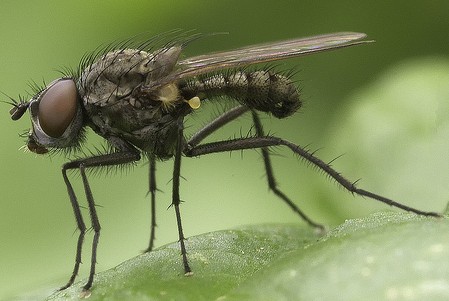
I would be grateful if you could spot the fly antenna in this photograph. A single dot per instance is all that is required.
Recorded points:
(18, 107)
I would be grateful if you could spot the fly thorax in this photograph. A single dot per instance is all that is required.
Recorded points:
(113, 77)
(117, 103)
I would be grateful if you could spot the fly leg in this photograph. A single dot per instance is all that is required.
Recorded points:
(231, 115)
(217, 123)
(268, 141)
(270, 176)
(127, 154)
(152, 191)
(180, 147)
(175, 195)
(81, 227)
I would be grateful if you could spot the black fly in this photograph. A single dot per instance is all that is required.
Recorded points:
(137, 96)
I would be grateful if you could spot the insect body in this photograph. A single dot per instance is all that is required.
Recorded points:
(118, 102)
(137, 99)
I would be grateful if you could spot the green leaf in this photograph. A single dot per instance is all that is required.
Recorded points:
(386, 256)
(220, 260)
(382, 257)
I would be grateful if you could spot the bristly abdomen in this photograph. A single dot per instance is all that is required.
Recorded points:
(264, 90)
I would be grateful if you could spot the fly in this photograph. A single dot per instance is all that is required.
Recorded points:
(137, 96)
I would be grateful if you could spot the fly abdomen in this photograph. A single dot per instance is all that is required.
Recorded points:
(261, 90)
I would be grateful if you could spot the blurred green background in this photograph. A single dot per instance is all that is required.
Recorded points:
(384, 106)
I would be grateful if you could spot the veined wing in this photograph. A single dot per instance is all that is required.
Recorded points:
(262, 53)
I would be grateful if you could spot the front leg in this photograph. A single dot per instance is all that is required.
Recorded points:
(126, 154)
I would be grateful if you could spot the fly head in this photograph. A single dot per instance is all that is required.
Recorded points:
(56, 116)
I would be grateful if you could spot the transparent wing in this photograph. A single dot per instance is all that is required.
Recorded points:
(260, 53)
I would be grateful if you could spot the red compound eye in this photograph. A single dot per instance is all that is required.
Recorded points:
(58, 107)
